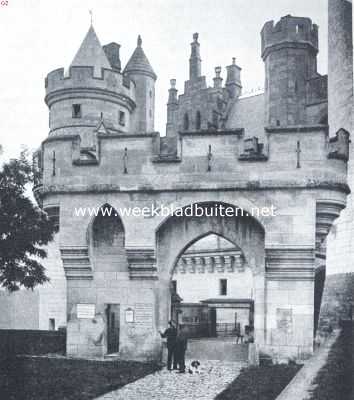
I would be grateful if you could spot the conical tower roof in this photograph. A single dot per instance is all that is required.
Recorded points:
(91, 53)
(139, 63)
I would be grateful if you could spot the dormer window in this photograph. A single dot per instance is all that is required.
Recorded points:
(76, 109)
(122, 118)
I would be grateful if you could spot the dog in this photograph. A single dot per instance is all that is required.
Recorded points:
(194, 367)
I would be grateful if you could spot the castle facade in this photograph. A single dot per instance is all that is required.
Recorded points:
(221, 148)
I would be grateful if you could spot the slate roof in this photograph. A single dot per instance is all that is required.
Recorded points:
(248, 113)
(91, 53)
(139, 63)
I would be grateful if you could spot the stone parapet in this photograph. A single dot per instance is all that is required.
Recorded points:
(294, 30)
(110, 83)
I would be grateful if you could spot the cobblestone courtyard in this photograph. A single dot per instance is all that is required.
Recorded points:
(162, 385)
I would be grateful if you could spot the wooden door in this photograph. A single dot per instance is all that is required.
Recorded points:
(113, 328)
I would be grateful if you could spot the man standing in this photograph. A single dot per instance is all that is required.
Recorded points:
(170, 334)
(181, 347)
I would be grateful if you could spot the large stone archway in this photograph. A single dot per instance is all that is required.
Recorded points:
(178, 233)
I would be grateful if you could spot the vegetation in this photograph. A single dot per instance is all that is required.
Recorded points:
(335, 379)
(338, 299)
(260, 383)
(42, 378)
(24, 228)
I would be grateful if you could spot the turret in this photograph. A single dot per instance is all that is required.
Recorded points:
(172, 110)
(233, 79)
(139, 70)
(217, 79)
(289, 51)
(91, 91)
(340, 67)
(195, 62)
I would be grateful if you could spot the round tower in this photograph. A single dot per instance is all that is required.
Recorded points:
(139, 70)
(289, 51)
(90, 92)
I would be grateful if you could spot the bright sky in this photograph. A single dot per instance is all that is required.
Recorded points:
(37, 36)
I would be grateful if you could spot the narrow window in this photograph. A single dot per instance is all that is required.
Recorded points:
(52, 324)
(76, 110)
(185, 122)
(299, 28)
(174, 286)
(215, 119)
(223, 287)
(198, 121)
(121, 118)
(278, 122)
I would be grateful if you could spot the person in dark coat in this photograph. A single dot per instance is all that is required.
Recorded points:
(170, 334)
(181, 347)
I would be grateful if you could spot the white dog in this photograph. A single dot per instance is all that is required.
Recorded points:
(194, 367)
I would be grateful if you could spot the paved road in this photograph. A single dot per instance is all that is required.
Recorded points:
(163, 385)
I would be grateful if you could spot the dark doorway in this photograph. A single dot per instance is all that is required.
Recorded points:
(112, 328)
(212, 322)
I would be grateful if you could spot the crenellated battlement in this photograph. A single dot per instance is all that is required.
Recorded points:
(289, 30)
(82, 77)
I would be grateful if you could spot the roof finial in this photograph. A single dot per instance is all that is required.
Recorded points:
(139, 41)
(195, 37)
(91, 16)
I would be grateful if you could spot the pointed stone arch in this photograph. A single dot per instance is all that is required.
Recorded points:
(107, 241)
(176, 234)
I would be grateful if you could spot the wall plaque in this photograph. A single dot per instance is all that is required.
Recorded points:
(285, 320)
(86, 311)
(144, 314)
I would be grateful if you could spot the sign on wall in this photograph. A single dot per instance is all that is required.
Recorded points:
(285, 320)
(86, 311)
(144, 314)
(129, 315)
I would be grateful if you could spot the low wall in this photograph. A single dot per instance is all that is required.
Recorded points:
(35, 342)
(216, 349)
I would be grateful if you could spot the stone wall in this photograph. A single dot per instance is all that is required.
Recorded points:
(295, 171)
(340, 84)
(43, 308)
(19, 310)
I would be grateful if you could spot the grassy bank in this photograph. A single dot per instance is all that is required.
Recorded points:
(66, 379)
(335, 380)
(259, 383)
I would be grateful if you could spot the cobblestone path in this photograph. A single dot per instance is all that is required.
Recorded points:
(166, 385)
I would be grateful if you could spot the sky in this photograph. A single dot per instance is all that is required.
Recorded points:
(37, 36)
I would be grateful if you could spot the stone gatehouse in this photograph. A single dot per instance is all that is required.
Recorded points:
(274, 149)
